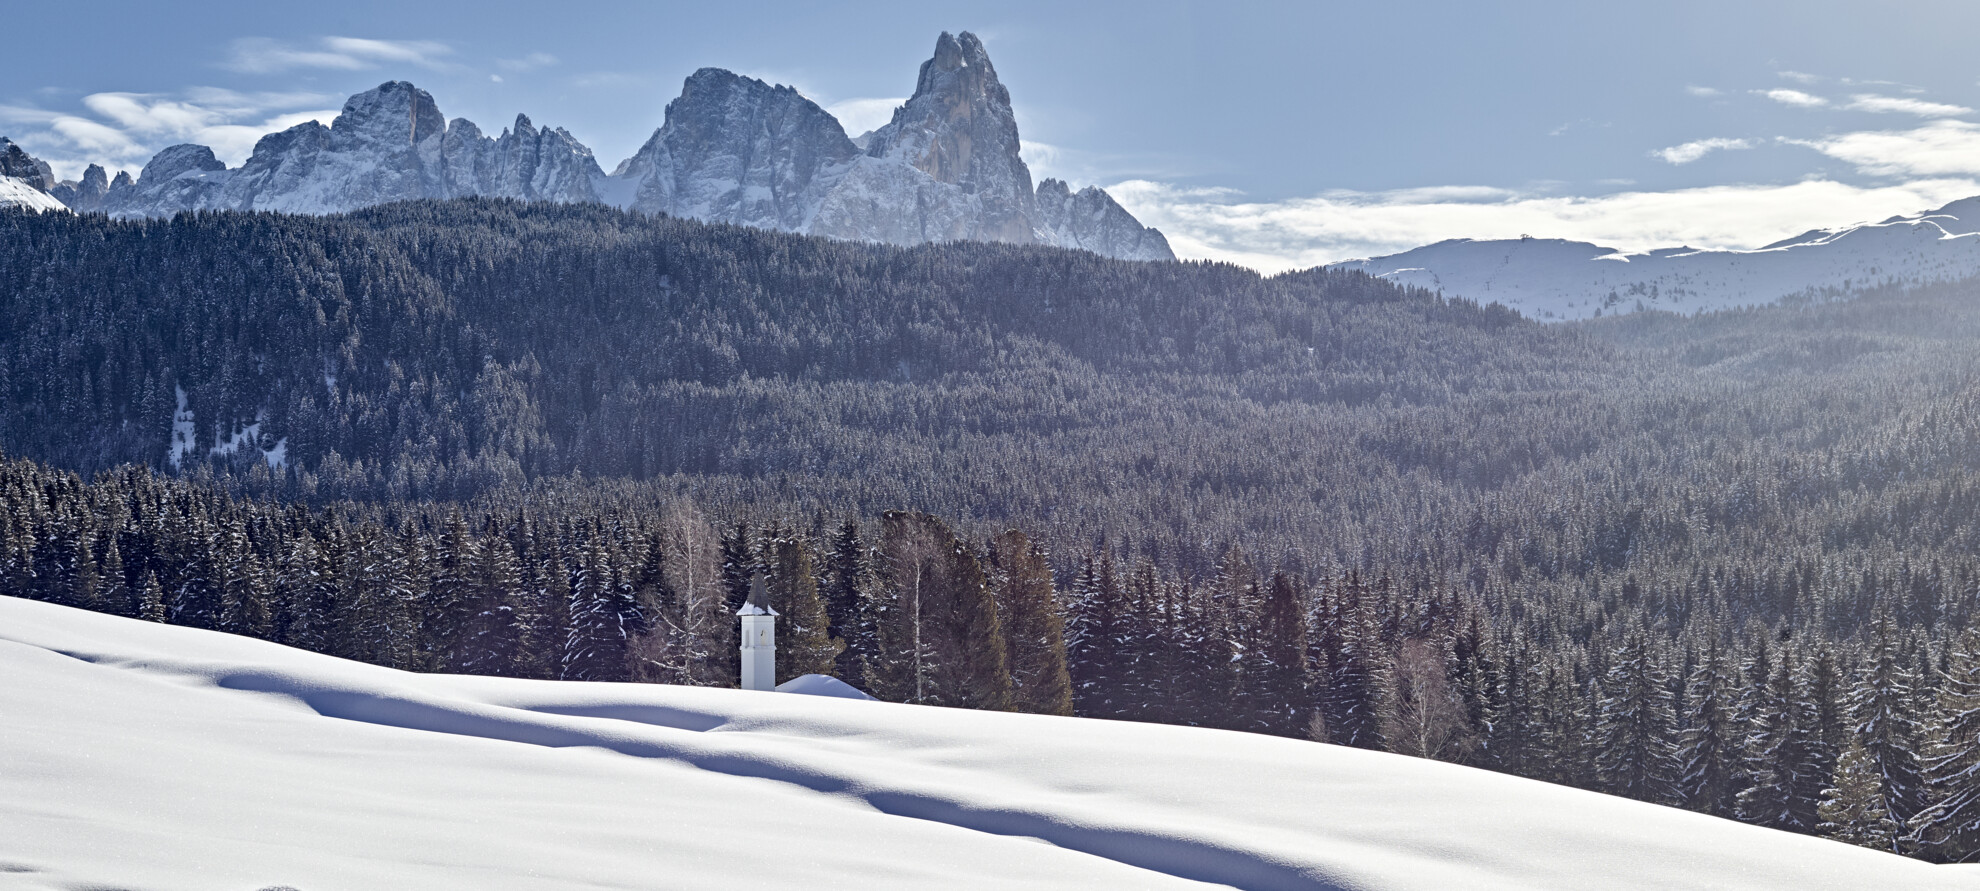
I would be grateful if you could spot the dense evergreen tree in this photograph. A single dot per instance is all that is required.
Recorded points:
(804, 646)
(1949, 825)
(1033, 625)
(1634, 753)
(1853, 809)
(847, 587)
(1275, 673)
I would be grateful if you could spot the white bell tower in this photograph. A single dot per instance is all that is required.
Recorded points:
(759, 639)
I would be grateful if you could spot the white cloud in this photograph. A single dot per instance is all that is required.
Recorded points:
(261, 55)
(1800, 77)
(1272, 236)
(1899, 105)
(861, 115)
(1699, 148)
(125, 129)
(1706, 92)
(530, 62)
(1795, 98)
(1940, 148)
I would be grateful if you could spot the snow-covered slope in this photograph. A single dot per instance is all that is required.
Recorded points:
(25, 180)
(1553, 279)
(142, 757)
(732, 149)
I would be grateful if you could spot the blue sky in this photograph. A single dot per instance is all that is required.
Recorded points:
(1275, 134)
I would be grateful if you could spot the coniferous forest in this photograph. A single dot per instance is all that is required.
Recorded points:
(1726, 562)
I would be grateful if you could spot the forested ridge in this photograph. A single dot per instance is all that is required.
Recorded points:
(1726, 562)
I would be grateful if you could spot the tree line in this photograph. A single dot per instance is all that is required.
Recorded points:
(1869, 741)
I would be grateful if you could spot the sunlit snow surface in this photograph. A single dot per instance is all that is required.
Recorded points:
(16, 193)
(141, 756)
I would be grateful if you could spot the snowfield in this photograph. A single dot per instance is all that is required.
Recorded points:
(140, 756)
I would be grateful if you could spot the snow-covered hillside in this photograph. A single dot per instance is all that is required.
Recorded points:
(1551, 279)
(143, 756)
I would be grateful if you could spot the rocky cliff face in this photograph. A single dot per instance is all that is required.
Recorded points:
(1091, 220)
(959, 132)
(86, 195)
(732, 149)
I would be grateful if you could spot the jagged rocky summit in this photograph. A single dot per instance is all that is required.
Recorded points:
(732, 149)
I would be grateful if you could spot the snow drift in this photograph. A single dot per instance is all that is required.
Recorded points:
(143, 756)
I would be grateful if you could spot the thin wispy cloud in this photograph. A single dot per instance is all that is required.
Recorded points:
(1699, 148)
(1218, 224)
(262, 55)
(1704, 92)
(531, 62)
(1795, 98)
(1901, 105)
(123, 130)
(1800, 77)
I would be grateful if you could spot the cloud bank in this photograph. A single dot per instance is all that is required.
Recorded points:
(1217, 224)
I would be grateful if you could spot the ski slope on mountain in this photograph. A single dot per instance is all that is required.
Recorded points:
(140, 756)
(1552, 280)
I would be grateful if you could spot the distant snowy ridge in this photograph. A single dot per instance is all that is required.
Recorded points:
(732, 149)
(1552, 279)
(157, 758)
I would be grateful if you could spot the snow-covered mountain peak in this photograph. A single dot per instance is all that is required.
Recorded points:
(731, 149)
(394, 112)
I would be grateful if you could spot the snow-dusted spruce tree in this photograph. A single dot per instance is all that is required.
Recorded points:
(803, 644)
(1205, 660)
(375, 624)
(1634, 755)
(450, 595)
(603, 617)
(1949, 825)
(1880, 709)
(151, 600)
(491, 633)
(1275, 670)
(1852, 808)
(1708, 759)
(1137, 652)
(739, 565)
(1033, 626)
(1513, 742)
(1783, 746)
(546, 617)
(1359, 693)
(1094, 614)
(304, 580)
(847, 589)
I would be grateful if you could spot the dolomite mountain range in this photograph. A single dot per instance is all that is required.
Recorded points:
(732, 149)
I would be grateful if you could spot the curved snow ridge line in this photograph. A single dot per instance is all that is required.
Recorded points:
(690, 737)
